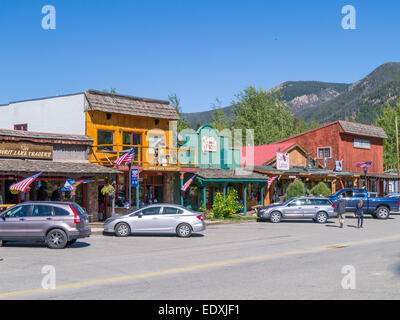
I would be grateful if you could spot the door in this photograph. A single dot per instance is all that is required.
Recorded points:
(353, 198)
(170, 218)
(40, 220)
(293, 210)
(310, 207)
(14, 226)
(147, 220)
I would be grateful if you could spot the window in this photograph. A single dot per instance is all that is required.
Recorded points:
(18, 212)
(172, 210)
(58, 212)
(321, 202)
(151, 211)
(348, 194)
(362, 144)
(324, 153)
(42, 211)
(305, 202)
(21, 127)
(105, 138)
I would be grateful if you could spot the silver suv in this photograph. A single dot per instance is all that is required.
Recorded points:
(320, 209)
(58, 223)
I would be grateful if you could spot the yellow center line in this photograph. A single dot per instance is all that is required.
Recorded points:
(191, 268)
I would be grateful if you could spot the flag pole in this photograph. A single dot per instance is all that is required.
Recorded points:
(397, 147)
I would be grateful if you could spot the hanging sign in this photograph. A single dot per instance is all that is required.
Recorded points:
(282, 161)
(339, 165)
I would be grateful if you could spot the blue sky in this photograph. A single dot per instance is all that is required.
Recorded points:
(200, 50)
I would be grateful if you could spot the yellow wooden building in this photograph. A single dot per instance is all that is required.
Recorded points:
(117, 123)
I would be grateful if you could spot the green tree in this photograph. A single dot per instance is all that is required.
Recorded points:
(224, 208)
(295, 189)
(112, 91)
(264, 112)
(220, 119)
(176, 102)
(387, 122)
(321, 189)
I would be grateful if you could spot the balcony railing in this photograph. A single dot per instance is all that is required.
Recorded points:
(106, 155)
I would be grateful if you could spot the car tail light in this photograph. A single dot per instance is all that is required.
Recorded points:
(200, 217)
(77, 218)
(333, 206)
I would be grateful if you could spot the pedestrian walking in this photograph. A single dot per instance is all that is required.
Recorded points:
(360, 214)
(340, 208)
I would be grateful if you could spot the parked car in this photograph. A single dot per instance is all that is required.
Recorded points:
(157, 218)
(320, 209)
(57, 223)
(378, 207)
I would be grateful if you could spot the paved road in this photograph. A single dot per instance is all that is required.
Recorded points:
(291, 260)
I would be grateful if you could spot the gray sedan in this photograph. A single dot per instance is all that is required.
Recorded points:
(319, 209)
(157, 218)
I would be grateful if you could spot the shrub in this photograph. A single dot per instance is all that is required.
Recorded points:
(295, 189)
(321, 189)
(223, 208)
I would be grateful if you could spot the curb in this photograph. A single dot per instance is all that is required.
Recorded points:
(99, 231)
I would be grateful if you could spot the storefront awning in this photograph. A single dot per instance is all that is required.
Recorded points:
(222, 175)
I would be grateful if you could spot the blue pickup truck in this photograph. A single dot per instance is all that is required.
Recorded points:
(380, 208)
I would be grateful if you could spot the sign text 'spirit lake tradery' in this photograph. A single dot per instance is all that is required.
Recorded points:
(25, 151)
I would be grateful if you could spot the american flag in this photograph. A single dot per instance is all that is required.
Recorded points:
(127, 157)
(271, 180)
(364, 164)
(24, 184)
(188, 183)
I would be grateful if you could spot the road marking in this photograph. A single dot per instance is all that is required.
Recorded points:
(191, 268)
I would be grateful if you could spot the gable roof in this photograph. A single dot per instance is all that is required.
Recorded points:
(362, 129)
(348, 127)
(122, 104)
(265, 153)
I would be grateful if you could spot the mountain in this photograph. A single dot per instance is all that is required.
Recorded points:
(299, 95)
(322, 102)
(362, 101)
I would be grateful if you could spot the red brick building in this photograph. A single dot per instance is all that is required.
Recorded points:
(342, 140)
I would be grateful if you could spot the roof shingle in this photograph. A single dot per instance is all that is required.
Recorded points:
(115, 103)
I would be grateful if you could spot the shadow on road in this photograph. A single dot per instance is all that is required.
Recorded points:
(11, 244)
(158, 235)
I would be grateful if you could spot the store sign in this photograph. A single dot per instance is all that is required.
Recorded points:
(208, 144)
(339, 165)
(25, 150)
(134, 178)
(282, 161)
(161, 168)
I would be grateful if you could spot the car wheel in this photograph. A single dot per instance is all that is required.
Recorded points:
(57, 239)
(122, 230)
(275, 217)
(71, 242)
(321, 217)
(184, 230)
(382, 213)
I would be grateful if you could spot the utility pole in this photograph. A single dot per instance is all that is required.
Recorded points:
(397, 147)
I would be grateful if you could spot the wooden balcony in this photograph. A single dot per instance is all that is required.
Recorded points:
(145, 156)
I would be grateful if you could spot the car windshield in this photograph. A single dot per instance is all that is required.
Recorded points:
(286, 202)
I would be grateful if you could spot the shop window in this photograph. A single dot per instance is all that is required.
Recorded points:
(105, 138)
(325, 153)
